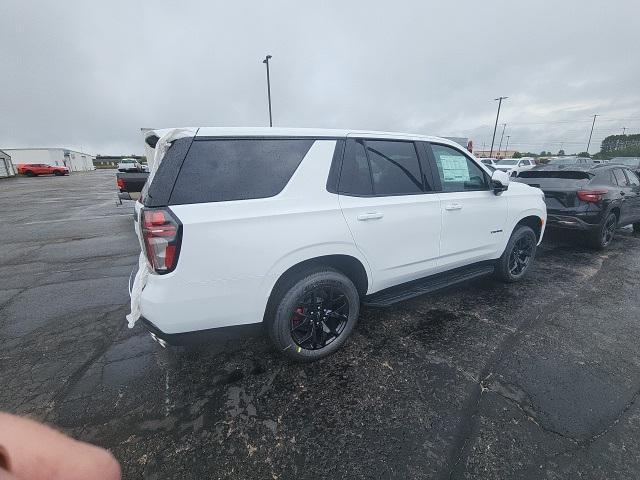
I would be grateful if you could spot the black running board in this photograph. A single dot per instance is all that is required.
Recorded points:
(405, 291)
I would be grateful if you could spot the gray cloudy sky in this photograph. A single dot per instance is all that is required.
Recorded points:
(90, 74)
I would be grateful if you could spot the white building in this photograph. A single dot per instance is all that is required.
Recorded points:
(6, 166)
(75, 161)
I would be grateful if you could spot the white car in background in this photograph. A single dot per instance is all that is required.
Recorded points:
(491, 162)
(513, 166)
(129, 165)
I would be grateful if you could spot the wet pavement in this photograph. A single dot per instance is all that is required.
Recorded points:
(534, 380)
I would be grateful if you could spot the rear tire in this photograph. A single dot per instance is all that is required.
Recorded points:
(636, 227)
(313, 313)
(29, 173)
(518, 256)
(603, 236)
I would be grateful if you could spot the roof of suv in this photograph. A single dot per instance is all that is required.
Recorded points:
(301, 132)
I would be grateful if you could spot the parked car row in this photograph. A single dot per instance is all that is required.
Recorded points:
(292, 230)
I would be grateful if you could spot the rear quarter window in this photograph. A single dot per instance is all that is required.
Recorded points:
(218, 170)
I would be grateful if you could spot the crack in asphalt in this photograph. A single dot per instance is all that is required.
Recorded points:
(469, 423)
(100, 349)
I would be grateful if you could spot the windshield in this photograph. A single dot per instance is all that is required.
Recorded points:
(507, 162)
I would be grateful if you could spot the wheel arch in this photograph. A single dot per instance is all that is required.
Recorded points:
(349, 265)
(535, 222)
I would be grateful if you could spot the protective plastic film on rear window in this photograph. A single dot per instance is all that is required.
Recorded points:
(218, 170)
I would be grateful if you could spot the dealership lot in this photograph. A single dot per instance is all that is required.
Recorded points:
(533, 380)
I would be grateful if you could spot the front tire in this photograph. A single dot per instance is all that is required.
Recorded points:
(636, 227)
(602, 238)
(313, 314)
(518, 256)
(57, 173)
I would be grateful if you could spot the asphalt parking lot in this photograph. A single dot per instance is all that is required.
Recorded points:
(534, 380)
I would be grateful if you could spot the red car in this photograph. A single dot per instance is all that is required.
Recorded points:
(33, 169)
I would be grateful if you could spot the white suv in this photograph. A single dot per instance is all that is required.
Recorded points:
(513, 166)
(292, 229)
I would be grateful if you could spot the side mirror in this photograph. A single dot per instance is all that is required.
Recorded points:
(499, 181)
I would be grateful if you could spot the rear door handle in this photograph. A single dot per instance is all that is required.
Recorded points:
(370, 216)
(453, 206)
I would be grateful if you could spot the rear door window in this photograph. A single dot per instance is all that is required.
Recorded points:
(355, 177)
(395, 169)
(218, 170)
(381, 168)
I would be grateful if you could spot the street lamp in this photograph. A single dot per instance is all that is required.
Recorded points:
(592, 125)
(266, 62)
(499, 99)
(504, 125)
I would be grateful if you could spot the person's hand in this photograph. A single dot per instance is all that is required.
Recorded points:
(31, 451)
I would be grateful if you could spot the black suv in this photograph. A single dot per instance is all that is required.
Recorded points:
(595, 199)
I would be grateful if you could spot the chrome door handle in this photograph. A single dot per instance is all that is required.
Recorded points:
(453, 206)
(370, 216)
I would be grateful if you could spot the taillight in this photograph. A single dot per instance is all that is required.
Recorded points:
(591, 196)
(162, 235)
(120, 183)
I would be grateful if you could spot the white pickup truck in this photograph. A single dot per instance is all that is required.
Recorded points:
(293, 229)
(130, 165)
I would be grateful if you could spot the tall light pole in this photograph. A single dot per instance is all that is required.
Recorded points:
(592, 125)
(496, 125)
(504, 125)
(624, 129)
(266, 62)
(507, 147)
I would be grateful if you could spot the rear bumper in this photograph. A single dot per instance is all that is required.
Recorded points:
(198, 337)
(572, 222)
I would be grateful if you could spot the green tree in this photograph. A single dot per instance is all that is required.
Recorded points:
(561, 152)
(584, 154)
(516, 155)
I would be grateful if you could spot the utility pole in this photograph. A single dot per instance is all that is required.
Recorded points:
(504, 125)
(592, 125)
(506, 149)
(266, 62)
(499, 99)
(624, 129)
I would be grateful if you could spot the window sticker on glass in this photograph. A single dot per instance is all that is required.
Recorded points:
(454, 168)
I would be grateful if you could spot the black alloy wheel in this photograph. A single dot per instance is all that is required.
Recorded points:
(608, 230)
(319, 317)
(521, 255)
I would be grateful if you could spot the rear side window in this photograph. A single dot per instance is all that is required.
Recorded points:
(237, 169)
(633, 178)
(621, 179)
